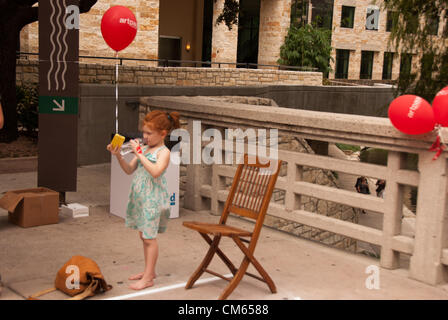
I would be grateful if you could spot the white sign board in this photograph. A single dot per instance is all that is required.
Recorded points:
(120, 185)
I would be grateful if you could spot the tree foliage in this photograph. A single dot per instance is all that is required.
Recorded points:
(414, 32)
(27, 109)
(307, 46)
(229, 14)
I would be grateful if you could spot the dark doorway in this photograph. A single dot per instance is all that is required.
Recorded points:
(342, 61)
(366, 65)
(207, 31)
(248, 29)
(169, 49)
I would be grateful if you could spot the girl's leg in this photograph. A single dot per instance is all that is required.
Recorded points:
(138, 276)
(151, 248)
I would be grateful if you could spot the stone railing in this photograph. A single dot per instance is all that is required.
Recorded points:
(428, 249)
(27, 73)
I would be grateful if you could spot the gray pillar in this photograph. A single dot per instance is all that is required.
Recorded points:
(430, 232)
(394, 207)
(197, 173)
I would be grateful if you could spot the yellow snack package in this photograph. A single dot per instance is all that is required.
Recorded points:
(117, 141)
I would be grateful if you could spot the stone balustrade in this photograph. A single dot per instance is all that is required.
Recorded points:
(428, 249)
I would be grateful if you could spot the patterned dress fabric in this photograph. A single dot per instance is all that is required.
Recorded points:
(148, 208)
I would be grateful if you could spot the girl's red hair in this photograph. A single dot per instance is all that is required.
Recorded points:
(160, 120)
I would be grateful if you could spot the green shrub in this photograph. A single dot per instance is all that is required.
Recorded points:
(27, 109)
(307, 46)
(347, 147)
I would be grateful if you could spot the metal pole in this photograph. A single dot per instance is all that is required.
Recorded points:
(116, 92)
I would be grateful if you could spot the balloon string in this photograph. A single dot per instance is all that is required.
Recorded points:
(116, 92)
(439, 145)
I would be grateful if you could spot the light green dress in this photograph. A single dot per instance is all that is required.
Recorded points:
(148, 208)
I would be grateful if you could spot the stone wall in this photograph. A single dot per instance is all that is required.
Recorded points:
(27, 72)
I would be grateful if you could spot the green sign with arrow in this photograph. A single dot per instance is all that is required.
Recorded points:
(58, 105)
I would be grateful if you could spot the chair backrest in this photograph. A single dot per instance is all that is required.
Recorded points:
(252, 189)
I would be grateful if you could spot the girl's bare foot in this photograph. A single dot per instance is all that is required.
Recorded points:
(139, 276)
(142, 284)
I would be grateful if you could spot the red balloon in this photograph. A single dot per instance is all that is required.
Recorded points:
(412, 115)
(118, 27)
(440, 107)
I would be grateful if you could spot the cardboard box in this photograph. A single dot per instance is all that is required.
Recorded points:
(31, 207)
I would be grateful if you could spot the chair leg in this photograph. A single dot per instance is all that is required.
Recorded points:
(221, 254)
(236, 280)
(205, 262)
(256, 264)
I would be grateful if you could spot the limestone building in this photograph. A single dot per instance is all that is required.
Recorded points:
(360, 43)
(186, 30)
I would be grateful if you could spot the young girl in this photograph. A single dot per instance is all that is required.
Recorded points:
(148, 207)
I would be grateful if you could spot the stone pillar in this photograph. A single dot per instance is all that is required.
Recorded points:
(354, 65)
(224, 41)
(396, 66)
(393, 200)
(431, 220)
(377, 70)
(275, 17)
(29, 39)
(198, 173)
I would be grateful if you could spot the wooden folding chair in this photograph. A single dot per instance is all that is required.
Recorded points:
(249, 196)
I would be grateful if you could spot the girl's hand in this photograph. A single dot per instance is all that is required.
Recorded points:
(135, 145)
(115, 151)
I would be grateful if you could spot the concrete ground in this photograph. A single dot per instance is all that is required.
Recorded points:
(30, 257)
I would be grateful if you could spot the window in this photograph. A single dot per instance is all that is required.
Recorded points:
(426, 66)
(342, 60)
(387, 65)
(443, 65)
(433, 25)
(392, 19)
(372, 18)
(347, 17)
(366, 65)
(299, 12)
(405, 64)
(322, 14)
(445, 29)
(412, 22)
